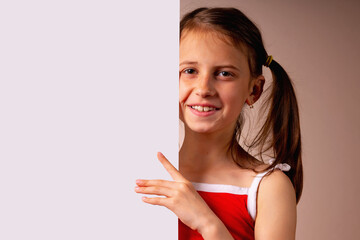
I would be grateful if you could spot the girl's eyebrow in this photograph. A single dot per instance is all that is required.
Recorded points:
(228, 66)
(188, 62)
(220, 66)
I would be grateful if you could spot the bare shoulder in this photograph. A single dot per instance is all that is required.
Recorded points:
(276, 208)
(279, 182)
(276, 190)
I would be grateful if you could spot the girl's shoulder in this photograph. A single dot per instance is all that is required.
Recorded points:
(276, 205)
(275, 181)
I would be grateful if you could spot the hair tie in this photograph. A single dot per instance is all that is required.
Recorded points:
(268, 61)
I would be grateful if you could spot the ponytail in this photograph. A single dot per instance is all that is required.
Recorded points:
(284, 122)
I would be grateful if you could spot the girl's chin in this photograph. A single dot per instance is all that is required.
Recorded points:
(208, 128)
(200, 129)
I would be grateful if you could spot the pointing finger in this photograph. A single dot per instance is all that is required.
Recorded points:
(174, 173)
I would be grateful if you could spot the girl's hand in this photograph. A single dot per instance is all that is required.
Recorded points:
(180, 197)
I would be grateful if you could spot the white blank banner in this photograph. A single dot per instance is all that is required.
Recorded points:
(88, 95)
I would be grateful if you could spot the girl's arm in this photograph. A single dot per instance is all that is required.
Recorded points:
(182, 199)
(276, 208)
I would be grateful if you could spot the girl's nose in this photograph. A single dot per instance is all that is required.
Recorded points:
(205, 87)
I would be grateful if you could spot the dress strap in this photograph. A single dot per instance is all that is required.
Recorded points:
(252, 193)
(251, 200)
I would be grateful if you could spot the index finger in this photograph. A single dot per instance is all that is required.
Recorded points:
(174, 173)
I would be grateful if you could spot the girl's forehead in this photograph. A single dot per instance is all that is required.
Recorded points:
(210, 49)
(211, 35)
(202, 34)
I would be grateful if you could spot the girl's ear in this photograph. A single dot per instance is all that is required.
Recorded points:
(257, 87)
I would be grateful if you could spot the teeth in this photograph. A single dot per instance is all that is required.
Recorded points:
(203, 109)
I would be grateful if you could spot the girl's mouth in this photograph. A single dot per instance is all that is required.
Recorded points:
(203, 111)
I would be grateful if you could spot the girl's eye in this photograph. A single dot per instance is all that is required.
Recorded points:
(225, 74)
(189, 71)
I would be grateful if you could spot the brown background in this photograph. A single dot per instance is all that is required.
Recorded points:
(317, 42)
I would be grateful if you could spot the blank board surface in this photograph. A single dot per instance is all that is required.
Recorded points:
(88, 95)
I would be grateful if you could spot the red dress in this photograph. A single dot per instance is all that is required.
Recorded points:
(235, 206)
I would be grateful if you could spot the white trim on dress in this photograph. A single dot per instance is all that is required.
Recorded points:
(220, 188)
(250, 192)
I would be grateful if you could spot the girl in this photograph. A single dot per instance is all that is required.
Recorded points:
(221, 191)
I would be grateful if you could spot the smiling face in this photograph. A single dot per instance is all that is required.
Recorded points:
(215, 82)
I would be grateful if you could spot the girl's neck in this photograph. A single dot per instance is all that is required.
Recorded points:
(205, 150)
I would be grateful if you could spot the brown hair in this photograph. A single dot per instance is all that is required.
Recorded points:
(282, 122)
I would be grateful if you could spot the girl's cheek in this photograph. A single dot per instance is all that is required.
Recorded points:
(184, 92)
(181, 116)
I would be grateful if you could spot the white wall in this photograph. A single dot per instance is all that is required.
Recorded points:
(88, 95)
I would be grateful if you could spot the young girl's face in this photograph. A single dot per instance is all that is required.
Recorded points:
(215, 82)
